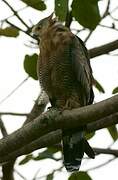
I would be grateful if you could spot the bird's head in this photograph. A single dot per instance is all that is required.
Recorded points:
(42, 26)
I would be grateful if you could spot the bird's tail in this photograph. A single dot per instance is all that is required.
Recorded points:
(74, 146)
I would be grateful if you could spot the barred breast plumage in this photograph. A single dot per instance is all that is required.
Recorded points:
(55, 69)
(65, 75)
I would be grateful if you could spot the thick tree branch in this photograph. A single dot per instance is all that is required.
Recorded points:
(53, 120)
(103, 123)
(104, 49)
(55, 137)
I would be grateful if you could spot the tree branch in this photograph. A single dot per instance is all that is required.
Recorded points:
(55, 137)
(7, 169)
(103, 123)
(53, 120)
(107, 9)
(2, 128)
(16, 14)
(26, 32)
(13, 114)
(101, 165)
(37, 109)
(106, 151)
(8, 17)
(14, 90)
(104, 49)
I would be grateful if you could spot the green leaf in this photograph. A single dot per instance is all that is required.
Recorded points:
(90, 135)
(44, 155)
(50, 176)
(113, 132)
(98, 86)
(79, 175)
(36, 4)
(115, 90)
(48, 153)
(86, 12)
(9, 32)
(61, 8)
(30, 63)
(53, 149)
(26, 159)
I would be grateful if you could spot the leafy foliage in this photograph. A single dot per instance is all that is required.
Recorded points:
(36, 4)
(61, 8)
(115, 90)
(26, 159)
(86, 13)
(113, 132)
(48, 153)
(30, 63)
(98, 86)
(9, 32)
(80, 175)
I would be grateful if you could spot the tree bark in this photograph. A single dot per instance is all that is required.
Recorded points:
(53, 120)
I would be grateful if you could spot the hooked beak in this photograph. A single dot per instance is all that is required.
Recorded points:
(35, 33)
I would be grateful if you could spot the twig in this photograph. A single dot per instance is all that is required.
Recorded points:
(2, 128)
(115, 19)
(16, 171)
(21, 9)
(11, 24)
(104, 49)
(13, 114)
(106, 151)
(109, 27)
(14, 90)
(26, 32)
(88, 36)
(101, 165)
(113, 10)
(107, 10)
(16, 14)
(55, 170)
(35, 175)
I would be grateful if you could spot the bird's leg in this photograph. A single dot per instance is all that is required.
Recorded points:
(71, 103)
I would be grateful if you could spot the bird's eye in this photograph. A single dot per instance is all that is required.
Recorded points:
(39, 27)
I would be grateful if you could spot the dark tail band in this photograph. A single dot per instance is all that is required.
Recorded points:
(74, 146)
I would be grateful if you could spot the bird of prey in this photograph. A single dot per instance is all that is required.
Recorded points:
(65, 74)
